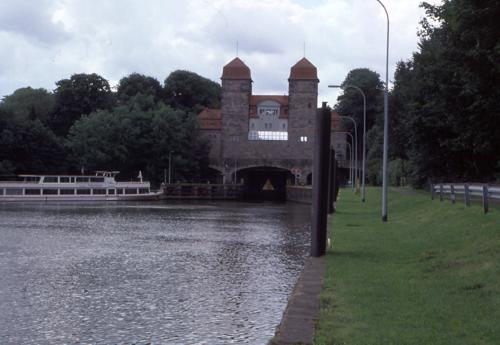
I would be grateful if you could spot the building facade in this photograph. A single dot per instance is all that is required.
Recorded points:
(273, 131)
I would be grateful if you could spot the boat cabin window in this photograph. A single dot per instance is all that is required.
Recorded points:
(72, 180)
(64, 179)
(119, 191)
(99, 191)
(13, 191)
(83, 191)
(111, 192)
(143, 190)
(32, 179)
(67, 191)
(50, 179)
(82, 179)
(49, 192)
(130, 191)
(31, 191)
(97, 179)
(1, 191)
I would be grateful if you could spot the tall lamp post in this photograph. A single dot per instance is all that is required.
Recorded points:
(386, 123)
(363, 173)
(351, 166)
(170, 166)
(351, 151)
(355, 145)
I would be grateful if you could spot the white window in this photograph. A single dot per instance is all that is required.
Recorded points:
(267, 135)
(303, 139)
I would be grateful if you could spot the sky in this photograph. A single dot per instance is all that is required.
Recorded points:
(44, 41)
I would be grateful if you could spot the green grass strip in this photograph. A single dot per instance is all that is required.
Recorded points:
(431, 275)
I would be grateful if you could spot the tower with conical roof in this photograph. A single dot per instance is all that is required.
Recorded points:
(302, 103)
(235, 106)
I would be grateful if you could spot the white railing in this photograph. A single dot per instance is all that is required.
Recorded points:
(467, 191)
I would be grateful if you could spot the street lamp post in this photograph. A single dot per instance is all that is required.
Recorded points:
(351, 167)
(170, 166)
(386, 123)
(363, 173)
(355, 146)
(351, 149)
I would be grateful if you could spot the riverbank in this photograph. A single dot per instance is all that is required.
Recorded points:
(431, 275)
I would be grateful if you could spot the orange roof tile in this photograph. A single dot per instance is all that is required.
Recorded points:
(303, 70)
(236, 69)
(282, 100)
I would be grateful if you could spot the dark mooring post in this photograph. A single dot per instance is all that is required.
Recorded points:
(337, 180)
(331, 183)
(320, 181)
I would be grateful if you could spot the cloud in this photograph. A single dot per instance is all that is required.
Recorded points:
(31, 20)
(45, 41)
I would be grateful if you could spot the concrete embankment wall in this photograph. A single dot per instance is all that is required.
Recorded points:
(302, 194)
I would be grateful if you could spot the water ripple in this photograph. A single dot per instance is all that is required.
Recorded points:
(195, 273)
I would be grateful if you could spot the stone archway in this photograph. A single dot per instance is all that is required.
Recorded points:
(264, 182)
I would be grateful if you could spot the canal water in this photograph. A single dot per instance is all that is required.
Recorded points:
(160, 273)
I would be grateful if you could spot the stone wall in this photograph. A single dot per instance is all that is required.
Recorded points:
(302, 194)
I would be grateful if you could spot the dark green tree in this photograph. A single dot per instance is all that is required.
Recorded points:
(28, 103)
(79, 95)
(350, 103)
(28, 147)
(188, 91)
(130, 139)
(448, 94)
(136, 83)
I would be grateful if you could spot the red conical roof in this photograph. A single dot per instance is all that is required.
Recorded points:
(236, 69)
(303, 70)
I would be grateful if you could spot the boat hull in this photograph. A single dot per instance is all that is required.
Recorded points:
(77, 198)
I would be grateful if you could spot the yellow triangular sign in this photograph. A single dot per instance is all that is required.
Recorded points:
(268, 185)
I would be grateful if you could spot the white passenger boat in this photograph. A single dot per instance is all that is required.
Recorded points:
(99, 187)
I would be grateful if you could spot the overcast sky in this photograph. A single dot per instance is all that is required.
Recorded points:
(44, 41)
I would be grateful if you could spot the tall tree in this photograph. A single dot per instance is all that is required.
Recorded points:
(449, 93)
(350, 103)
(188, 91)
(79, 95)
(28, 103)
(131, 139)
(135, 84)
(28, 146)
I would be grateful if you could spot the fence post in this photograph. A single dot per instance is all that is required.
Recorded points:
(452, 193)
(485, 199)
(432, 192)
(441, 196)
(466, 195)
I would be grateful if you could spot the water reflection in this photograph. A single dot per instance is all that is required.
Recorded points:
(190, 273)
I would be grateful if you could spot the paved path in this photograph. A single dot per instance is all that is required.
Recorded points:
(299, 318)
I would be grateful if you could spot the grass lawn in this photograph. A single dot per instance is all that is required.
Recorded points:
(431, 275)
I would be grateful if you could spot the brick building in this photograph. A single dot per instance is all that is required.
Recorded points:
(264, 132)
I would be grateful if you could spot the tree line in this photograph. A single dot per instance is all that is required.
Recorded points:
(83, 123)
(444, 105)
